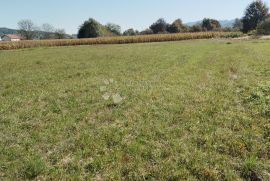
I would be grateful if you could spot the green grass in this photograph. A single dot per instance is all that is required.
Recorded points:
(191, 110)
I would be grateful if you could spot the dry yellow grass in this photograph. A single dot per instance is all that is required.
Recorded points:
(118, 40)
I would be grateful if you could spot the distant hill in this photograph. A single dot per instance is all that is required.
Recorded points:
(7, 31)
(224, 23)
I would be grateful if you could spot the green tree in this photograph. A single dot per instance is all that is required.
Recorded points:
(210, 24)
(130, 32)
(113, 28)
(160, 26)
(264, 27)
(90, 29)
(254, 14)
(147, 32)
(177, 26)
(196, 28)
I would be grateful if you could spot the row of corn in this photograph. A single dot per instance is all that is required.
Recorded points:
(117, 40)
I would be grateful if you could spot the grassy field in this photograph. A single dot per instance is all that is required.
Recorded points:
(190, 110)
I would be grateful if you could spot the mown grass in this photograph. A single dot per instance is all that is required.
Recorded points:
(191, 110)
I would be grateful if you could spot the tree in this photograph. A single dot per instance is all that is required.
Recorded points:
(196, 28)
(130, 32)
(90, 29)
(264, 27)
(254, 14)
(237, 25)
(147, 32)
(113, 28)
(160, 26)
(60, 34)
(210, 24)
(27, 29)
(177, 27)
(48, 31)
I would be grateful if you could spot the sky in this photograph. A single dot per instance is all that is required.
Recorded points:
(137, 14)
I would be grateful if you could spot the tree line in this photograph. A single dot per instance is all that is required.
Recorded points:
(256, 20)
(30, 31)
(92, 28)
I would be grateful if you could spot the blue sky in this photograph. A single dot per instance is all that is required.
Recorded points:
(139, 14)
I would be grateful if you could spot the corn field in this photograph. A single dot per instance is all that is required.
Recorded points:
(117, 40)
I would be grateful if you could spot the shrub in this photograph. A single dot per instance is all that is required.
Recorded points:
(264, 27)
(252, 33)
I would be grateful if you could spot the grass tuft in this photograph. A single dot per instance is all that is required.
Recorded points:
(32, 167)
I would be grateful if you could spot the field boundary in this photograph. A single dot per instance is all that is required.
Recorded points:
(117, 40)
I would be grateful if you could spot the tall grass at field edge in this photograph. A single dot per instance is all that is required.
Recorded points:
(118, 40)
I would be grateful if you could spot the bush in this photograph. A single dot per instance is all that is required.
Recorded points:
(252, 33)
(264, 27)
